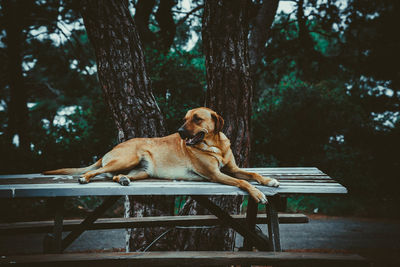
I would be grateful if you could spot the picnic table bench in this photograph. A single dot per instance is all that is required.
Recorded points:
(293, 181)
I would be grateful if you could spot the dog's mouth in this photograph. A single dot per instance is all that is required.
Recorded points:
(191, 141)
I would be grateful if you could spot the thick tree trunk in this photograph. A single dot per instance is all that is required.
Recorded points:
(127, 90)
(121, 69)
(17, 107)
(225, 30)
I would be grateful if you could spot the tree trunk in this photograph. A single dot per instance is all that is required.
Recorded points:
(306, 43)
(166, 22)
(225, 31)
(144, 8)
(229, 92)
(17, 108)
(127, 90)
(259, 33)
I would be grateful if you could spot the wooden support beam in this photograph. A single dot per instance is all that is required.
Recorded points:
(251, 217)
(256, 239)
(52, 242)
(273, 223)
(88, 221)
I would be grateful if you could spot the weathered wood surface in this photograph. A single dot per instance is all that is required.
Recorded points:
(141, 222)
(185, 258)
(293, 181)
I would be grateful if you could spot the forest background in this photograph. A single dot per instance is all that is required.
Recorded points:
(326, 94)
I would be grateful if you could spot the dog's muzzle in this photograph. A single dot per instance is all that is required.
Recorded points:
(192, 140)
(183, 133)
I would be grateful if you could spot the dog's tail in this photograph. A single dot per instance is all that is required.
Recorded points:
(75, 171)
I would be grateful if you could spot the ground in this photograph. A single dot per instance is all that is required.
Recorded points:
(376, 239)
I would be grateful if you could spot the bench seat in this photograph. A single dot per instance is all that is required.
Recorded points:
(192, 258)
(119, 223)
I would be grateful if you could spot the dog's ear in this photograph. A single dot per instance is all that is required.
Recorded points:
(219, 123)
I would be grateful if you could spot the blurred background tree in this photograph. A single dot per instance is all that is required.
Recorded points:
(325, 94)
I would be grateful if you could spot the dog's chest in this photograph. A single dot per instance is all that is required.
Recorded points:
(176, 172)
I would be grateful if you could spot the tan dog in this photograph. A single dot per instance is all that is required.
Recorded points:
(197, 152)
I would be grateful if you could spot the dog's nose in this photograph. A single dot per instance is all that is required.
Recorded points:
(182, 133)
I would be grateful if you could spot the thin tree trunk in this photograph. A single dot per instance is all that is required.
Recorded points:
(166, 22)
(306, 42)
(225, 31)
(144, 8)
(17, 108)
(127, 90)
(259, 33)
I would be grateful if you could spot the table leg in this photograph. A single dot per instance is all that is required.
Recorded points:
(256, 239)
(52, 242)
(273, 223)
(251, 216)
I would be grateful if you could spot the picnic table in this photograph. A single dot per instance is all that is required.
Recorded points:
(293, 181)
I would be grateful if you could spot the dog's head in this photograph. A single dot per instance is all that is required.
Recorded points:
(200, 123)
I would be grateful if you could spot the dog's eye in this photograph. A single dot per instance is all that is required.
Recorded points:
(197, 119)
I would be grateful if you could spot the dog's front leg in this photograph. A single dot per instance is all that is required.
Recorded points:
(242, 174)
(219, 177)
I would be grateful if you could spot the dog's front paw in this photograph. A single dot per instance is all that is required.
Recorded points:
(259, 196)
(123, 180)
(273, 183)
(82, 180)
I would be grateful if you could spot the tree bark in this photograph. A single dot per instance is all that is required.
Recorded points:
(127, 90)
(229, 92)
(229, 87)
(18, 122)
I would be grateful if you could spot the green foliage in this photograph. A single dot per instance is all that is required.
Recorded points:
(317, 102)
(178, 80)
(333, 112)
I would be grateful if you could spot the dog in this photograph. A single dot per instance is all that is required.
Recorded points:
(198, 152)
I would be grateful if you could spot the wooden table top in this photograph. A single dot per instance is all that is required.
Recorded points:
(294, 180)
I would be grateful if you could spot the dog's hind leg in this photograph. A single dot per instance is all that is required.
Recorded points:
(125, 179)
(115, 165)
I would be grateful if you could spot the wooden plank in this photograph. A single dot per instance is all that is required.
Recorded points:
(294, 180)
(141, 222)
(47, 180)
(300, 177)
(136, 188)
(185, 258)
(307, 183)
(282, 170)
(157, 188)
